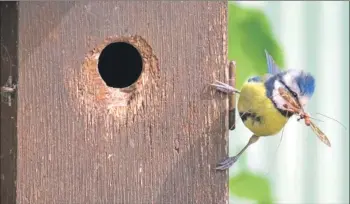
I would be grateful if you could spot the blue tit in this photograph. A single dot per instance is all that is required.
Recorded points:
(261, 108)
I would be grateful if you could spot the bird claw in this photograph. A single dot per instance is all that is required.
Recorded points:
(224, 87)
(226, 163)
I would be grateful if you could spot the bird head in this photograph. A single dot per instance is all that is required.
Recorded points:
(301, 86)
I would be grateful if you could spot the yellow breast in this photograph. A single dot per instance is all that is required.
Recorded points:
(257, 111)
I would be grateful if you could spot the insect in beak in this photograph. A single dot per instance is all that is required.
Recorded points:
(306, 118)
(295, 108)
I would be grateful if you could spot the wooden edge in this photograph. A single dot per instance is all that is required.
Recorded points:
(8, 111)
(232, 97)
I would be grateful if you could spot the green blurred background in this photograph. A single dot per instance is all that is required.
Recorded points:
(313, 36)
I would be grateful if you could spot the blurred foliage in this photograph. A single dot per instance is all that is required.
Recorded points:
(251, 186)
(249, 35)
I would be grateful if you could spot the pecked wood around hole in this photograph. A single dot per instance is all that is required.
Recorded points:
(96, 95)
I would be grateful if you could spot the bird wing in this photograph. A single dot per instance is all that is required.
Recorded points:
(255, 79)
(272, 68)
(260, 79)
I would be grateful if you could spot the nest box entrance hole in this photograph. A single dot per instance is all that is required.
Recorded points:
(120, 64)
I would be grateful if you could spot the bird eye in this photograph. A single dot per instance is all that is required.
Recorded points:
(294, 94)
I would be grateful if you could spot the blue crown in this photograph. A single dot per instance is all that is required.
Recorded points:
(306, 83)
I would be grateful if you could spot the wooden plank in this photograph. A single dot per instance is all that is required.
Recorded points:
(75, 146)
(8, 108)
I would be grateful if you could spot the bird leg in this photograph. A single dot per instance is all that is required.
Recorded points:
(225, 87)
(228, 162)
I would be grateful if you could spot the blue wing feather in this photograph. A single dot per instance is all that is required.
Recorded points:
(255, 79)
(272, 68)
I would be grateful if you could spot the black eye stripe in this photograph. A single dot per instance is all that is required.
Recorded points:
(285, 85)
(295, 96)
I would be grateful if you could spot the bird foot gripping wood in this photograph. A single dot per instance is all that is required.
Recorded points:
(226, 163)
(220, 86)
(8, 90)
(228, 88)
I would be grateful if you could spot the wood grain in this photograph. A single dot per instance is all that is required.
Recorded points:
(164, 151)
(8, 131)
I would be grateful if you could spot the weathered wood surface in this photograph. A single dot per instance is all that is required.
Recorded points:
(8, 135)
(163, 147)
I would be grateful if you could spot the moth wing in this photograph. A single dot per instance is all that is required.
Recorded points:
(272, 67)
(320, 134)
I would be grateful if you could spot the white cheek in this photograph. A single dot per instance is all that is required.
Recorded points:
(277, 98)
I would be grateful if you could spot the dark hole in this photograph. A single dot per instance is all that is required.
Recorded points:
(120, 64)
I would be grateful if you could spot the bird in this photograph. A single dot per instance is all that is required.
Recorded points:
(263, 110)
